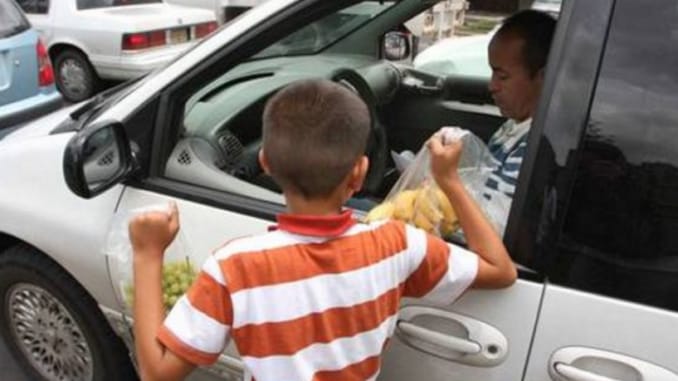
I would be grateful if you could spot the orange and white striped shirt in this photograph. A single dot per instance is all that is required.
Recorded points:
(316, 299)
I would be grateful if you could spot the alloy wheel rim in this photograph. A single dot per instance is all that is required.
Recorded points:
(48, 335)
(73, 77)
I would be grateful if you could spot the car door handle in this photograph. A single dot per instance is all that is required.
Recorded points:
(590, 364)
(575, 374)
(440, 339)
(451, 336)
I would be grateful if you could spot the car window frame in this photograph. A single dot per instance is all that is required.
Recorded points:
(533, 228)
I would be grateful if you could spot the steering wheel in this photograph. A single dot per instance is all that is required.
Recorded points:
(248, 167)
(377, 148)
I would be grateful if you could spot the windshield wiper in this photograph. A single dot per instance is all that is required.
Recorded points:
(98, 101)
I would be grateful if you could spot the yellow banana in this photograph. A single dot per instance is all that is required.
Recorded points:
(449, 215)
(421, 221)
(380, 212)
(404, 205)
(448, 228)
(426, 205)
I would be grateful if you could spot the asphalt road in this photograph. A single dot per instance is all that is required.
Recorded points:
(9, 369)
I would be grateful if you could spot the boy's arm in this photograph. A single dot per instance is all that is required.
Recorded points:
(150, 234)
(495, 268)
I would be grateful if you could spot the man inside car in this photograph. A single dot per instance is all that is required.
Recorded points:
(517, 55)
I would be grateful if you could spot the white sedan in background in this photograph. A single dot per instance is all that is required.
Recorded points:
(466, 56)
(90, 40)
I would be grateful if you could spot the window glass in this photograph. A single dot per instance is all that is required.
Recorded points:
(11, 20)
(91, 4)
(620, 237)
(34, 6)
(324, 32)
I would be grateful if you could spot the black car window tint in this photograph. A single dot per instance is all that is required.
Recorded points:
(620, 236)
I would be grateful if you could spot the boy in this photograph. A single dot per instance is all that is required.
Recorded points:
(318, 298)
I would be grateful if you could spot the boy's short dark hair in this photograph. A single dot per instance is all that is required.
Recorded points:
(314, 131)
(536, 29)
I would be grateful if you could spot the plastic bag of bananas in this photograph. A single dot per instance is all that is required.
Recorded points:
(416, 199)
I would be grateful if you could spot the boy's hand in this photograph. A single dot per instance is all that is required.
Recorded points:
(444, 159)
(151, 233)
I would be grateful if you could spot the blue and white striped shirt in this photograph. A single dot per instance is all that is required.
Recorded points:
(508, 146)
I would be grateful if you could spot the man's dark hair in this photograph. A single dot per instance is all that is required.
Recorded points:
(536, 29)
(314, 132)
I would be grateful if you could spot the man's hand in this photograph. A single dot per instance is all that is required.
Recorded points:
(444, 159)
(151, 233)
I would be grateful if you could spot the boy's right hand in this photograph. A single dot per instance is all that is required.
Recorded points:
(151, 233)
(444, 159)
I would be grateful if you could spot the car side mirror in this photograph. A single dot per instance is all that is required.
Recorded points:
(97, 158)
(396, 46)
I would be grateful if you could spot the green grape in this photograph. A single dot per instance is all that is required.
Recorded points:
(177, 277)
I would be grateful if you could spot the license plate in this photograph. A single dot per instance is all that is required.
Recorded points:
(178, 36)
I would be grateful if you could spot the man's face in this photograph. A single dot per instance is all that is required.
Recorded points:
(513, 89)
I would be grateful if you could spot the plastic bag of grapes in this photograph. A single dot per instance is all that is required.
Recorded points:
(179, 269)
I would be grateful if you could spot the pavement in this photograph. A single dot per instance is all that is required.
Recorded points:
(9, 369)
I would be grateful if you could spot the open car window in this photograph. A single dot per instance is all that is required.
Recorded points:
(219, 137)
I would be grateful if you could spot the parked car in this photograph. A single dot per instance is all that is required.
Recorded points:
(225, 10)
(592, 227)
(26, 78)
(551, 7)
(467, 56)
(90, 40)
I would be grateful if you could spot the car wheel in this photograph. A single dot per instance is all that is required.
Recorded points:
(75, 76)
(52, 326)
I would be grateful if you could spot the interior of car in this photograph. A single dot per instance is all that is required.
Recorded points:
(220, 137)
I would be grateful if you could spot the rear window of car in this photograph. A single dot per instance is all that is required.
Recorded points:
(91, 4)
(12, 20)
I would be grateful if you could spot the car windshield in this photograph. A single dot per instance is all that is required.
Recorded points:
(12, 21)
(324, 32)
(91, 4)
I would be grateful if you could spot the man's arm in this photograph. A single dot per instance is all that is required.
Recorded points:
(150, 234)
(495, 268)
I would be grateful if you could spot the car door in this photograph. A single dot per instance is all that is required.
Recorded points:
(610, 307)
(204, 228)
(485, 335)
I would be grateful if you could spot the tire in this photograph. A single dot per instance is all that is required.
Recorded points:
(75, 76)
(53, 326)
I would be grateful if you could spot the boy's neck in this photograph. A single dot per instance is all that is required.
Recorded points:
(316, 207)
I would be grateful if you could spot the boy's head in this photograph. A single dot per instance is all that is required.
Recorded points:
(314, 134)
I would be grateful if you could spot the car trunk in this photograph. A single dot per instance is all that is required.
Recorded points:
(155, 16)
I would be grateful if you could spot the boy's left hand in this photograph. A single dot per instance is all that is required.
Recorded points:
(151, 233)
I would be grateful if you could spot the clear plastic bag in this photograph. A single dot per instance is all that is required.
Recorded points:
(416, 199)
(179, 268)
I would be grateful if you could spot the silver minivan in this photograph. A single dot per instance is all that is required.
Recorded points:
(593, 226)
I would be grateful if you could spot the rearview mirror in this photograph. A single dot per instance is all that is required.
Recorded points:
(97, 158)
(396, 46)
